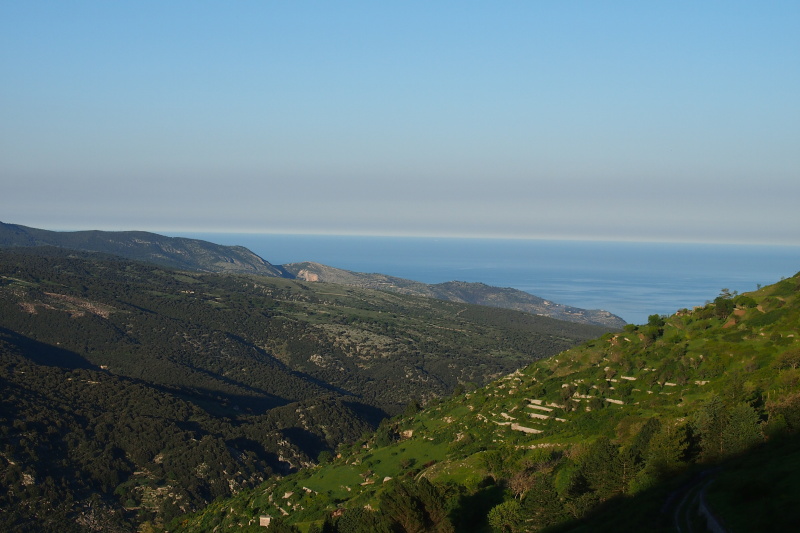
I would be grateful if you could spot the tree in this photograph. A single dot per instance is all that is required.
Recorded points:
(656, 321)
(743, 430)
(541, 503)
(603, 469)
(385, 434)
(723, 306)
(361, 520)
(278, 526)
(710, 422)
(595, 403)
(788, 359)
(521, 482)
(786, 409)
(494, 462)
(413, 407)
(654, 328)
(567, 392)
(726, 294)
(624, 389)
(664, 456)
(745, 301)
(640, 443)
(667, 449)
(506, 517)
(416, 506)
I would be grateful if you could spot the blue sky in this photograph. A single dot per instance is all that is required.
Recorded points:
(575, 120)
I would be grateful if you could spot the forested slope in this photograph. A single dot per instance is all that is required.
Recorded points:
(687, 420)
(132, 393)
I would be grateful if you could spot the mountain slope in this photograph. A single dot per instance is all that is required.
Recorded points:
(687, 419)
(456, 291)
(141, 392)
(171, 252)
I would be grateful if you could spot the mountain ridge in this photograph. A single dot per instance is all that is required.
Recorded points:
(203, 256)
(456, 291)
(172, 252)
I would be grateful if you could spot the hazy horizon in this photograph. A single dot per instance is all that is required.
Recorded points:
(616, 121)
(194, 233)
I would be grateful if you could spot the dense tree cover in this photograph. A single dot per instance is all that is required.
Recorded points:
(132, 394)
(267, 341)
(70, 434)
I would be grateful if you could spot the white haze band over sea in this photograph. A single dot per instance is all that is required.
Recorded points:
(630, 279)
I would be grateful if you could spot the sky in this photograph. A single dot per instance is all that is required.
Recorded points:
(645, 121)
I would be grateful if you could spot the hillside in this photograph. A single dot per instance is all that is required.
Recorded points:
(669, 426)
(456, 291)
(133, 392)
(170, 252)
(202, 256)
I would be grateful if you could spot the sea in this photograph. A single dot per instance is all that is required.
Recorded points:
(633, 280)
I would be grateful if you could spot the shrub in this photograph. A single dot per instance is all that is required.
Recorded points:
(788, 359)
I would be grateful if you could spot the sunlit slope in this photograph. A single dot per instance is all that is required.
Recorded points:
(609, 435)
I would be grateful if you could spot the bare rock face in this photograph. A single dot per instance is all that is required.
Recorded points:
(307, 275)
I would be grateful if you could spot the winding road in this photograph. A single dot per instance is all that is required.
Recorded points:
(691, 502)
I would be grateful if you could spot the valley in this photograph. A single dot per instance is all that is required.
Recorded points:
(141, 397)
(143, 392)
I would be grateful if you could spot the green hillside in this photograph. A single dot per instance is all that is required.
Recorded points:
(133, 393)
(667, 426)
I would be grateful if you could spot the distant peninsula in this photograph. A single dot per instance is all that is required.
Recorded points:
(456, 291)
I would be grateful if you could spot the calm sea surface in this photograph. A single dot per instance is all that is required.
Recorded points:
(632, 280)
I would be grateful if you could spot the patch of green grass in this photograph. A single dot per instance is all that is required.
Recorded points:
(410, 454)
(466, 472)
(332, 480)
